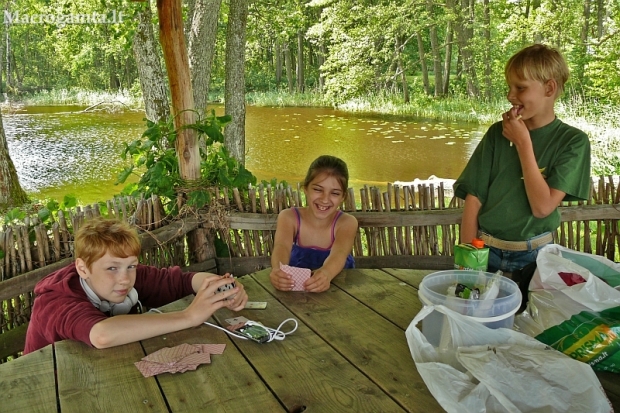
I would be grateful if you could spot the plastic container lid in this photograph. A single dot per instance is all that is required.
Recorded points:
(478, 243)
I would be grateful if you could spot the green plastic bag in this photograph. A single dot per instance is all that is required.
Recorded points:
(588, 337)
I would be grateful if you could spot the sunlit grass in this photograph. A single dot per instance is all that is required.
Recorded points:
(282, 99)
(121, 98)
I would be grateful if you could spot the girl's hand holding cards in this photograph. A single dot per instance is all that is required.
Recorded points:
(299, 276)
(319, 282)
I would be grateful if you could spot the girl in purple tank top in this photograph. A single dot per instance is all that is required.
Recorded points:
(325, 243)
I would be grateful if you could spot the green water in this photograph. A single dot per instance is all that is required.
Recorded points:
(59, 151)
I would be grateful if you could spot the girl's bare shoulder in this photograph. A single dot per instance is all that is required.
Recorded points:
(288, 215)
(347, 220)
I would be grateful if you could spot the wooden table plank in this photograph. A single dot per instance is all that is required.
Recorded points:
(411, 277)
(376, 346)
(228, 384)
(304, 371)
(394, 299)
(27, 383)
(104, 381)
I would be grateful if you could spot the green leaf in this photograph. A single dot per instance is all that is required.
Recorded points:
(103, 208)
(123, 175)
(52, 205)
(69, 201)
(198, 199)
(221, 249)
(14, 215)
(44, 214)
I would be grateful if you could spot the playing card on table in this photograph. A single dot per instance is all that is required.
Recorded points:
(300, 275)
(178, 359)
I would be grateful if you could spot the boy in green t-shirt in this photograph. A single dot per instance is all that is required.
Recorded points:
(525, 165)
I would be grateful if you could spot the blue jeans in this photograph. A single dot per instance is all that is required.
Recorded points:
(510, 261)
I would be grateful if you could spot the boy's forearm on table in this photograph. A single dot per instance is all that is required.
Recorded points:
(123, 329)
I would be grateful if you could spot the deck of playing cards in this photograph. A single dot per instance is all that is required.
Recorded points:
(300, 275)
(178, 359)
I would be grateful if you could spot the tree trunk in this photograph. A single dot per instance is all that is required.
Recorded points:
(435, 52)
(300, 62)
(465, 36)
(152, 78)
(583, 44)
(11, 192)
(114, 81)
(321, 62)
(600, 18)
(189, 10)
(3, 29)
(425, 82)
(288, 63)
(177, 63)
(9, 76)
(278, 64)
(400, 68)
(234, 137)
(201, 49)
(488, 92)
(447, 63)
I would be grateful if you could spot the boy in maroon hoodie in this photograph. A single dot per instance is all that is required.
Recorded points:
(94, 299)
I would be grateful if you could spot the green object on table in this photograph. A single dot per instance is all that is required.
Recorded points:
(469, 257)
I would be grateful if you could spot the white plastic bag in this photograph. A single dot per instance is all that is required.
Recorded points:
(582, 319)
(484, 370)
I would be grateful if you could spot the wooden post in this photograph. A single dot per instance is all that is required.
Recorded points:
(173, 45)
(177, 64)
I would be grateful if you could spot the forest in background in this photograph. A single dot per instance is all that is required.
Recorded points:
(343, 50)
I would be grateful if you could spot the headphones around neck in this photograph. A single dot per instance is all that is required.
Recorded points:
(106, 306)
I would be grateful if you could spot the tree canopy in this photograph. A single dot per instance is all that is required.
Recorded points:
(340, 48)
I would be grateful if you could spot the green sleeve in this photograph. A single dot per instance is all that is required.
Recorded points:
(475, 178)
(571, 171)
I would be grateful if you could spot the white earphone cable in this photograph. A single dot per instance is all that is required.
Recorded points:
(274, 333)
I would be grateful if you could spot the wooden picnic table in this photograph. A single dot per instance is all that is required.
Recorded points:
(349, 354)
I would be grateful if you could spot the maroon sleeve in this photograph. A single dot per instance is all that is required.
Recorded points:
(56, 317)
(161, 286)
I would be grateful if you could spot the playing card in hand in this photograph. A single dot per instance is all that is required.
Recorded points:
(300, 275)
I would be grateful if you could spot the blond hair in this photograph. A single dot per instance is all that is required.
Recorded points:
(541, 63)
(98, 236)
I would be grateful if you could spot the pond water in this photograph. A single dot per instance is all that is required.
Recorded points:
(58, 150)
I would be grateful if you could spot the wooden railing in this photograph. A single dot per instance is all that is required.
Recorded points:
(401, 227)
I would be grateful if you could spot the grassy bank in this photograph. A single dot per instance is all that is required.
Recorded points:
(79, 97)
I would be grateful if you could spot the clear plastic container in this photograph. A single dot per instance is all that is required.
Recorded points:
(494, 313)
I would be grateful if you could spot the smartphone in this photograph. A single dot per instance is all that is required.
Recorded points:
(254, 332)
(227, 287)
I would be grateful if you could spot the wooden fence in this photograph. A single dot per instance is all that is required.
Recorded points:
(401, 227)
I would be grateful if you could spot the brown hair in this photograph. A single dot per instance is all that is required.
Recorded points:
(98, 236)
(541, 63)
(332, 166)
